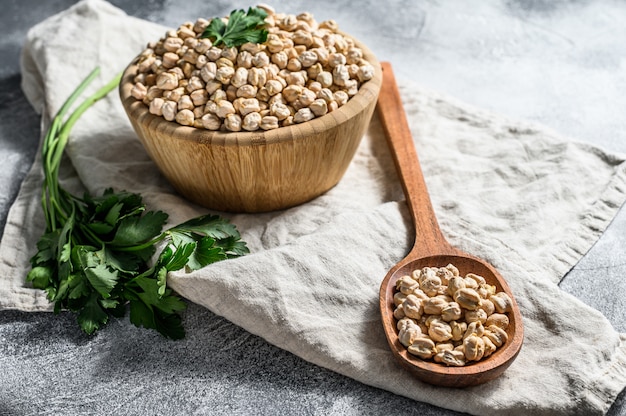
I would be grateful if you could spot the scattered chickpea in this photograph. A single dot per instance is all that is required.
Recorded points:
(304, 70)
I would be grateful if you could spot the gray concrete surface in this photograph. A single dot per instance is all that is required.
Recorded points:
(559, 63)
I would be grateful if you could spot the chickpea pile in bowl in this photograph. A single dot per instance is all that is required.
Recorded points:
(303, 70)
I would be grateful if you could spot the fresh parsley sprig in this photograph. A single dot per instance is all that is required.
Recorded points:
(242, 27)
(94, 257)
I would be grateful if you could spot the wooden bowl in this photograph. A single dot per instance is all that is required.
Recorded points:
(255, 171)
(473, 373)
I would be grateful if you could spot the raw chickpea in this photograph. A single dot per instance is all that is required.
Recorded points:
(199, 97)
(314, 86)
(167, 81)
(156, 106)
(224, 74)
(224, 108)
(244, 60)
(247, 91)
(203, 45)
(232, 122)
(208, 71)
(294, 65)
(169, 60)
(274, 43)
(169, 109)
(257, 77)
(218, 96)
(260, 60)
(341, 97)
(251, 121)
(153, 92)
(185, 117)
(280, 111)
(230, 54)
(307, 59)
(211, 122)
(185, 103)
(273, 87)
(325, 78)
(303, 114)
(139, 91)
(249, 105)
(240, 77)
(269, 123)
(319, 107)
(212, 86)
(214, 53)
(326, 94)
(172, 44)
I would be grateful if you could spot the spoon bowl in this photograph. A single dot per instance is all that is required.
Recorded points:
(432, 250)
(439, 374)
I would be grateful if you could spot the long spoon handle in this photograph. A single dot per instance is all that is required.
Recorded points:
(400, 141)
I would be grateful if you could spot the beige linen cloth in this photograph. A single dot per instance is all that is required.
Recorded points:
(517, 194)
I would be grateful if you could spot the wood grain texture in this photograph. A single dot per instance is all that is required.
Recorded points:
(255, 171)
(432, 250)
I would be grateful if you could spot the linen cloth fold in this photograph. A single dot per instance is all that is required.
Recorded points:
(519, 195)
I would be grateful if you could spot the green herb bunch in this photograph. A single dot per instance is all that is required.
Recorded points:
(242, 27)
(96, 255)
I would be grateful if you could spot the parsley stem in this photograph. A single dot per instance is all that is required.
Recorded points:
(56, 202)
(64, 132)
(143, 246)
(90, 234)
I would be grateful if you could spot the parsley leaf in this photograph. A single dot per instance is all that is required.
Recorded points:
(242, 27)
(135, 229)
(102, 279)
(94, 256)
(150, 310)
(91, 316)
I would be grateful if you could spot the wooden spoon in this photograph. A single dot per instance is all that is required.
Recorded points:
(431, 249)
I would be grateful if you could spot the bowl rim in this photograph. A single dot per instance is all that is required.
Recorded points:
(367, 93)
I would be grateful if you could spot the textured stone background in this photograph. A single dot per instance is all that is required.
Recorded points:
(559, 63)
